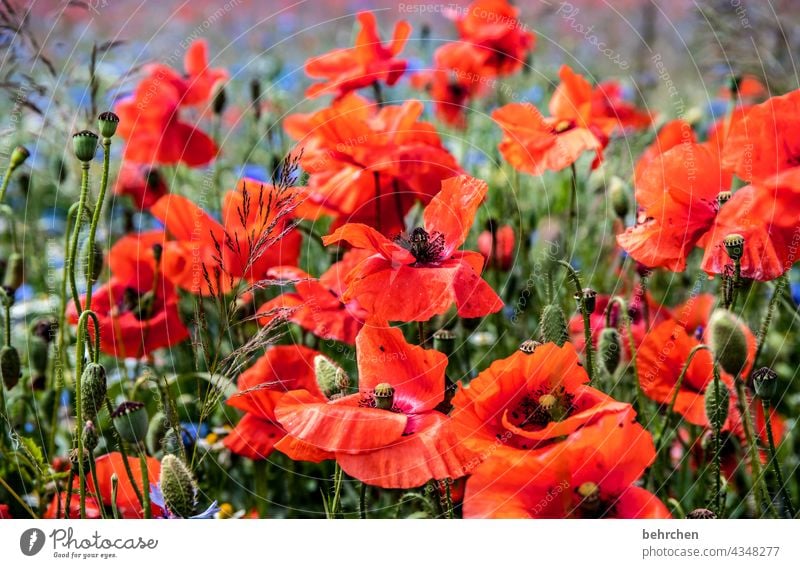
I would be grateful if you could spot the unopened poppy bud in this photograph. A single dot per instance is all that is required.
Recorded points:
(94, 258)
(444, 341)
(734, 245)
(84, 143)
(588, 297)
(723, 197)
(384, 396)
(37, 355)
(618, 193)
(93, 390)
(130, 420)
(178, 487)
(609, 347)
(15, 272)
(554, 325)
(90, 437)
(107, 123)
(701, 514)
(10, 366)
(18, 156)
(765, 381)
(331, 378)
(727, 340)
(220, 99)
(717, 403)
(529, 346)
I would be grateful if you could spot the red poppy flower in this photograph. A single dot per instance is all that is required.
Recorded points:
(533, 143)
(368, 62)
(127, 503)
(671, 134)
(498, 246)
(196, 85)
(144, 185)
(767, 215)
(369, 166)
(56, 511)
(766, 140)
(590, 475)
(316, 305)
(613, 112)
(281, 369)
(529, 402)
(389, 434)
(154, 132)
(457, 77)
(254, 236)
(660, 359)
(4, 512)
(493, 26)
(417, 277)
(137, 309)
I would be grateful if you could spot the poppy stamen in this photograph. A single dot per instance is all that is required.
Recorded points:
(425, 247)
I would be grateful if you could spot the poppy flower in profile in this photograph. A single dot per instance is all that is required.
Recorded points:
(390, 433)
(767, 215)
(677, 196)
(660, 360)
(367, 165)
(528, 402)
(672, 134)
(281, 369)
(418, 276)
(144, 185)
(766, 140)
(127, 503)
(494, 27)
(497, 246)
(455, 80)
(591, 475)
(137, 309)
(196, 86)
(256, 233)
(368, 62)
(316, 304)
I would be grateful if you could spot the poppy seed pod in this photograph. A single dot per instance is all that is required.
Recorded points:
(178, 487)
(15, 272)
(444, 341)
(331, 378)
(727, 340)
(107, 123)
(93, 389)
(723, 197)
(765, 381)
(588, 297)
(734, 245)
(717, 407)
(384, 396)
(73, 459)
(84, 143)
(10, 366)
(18, 157)
(609, 348)
(130, 420)
(618, 194)
(220, 99)
(554, 325)
(701, 514)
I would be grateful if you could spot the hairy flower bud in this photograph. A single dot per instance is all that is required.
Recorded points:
(618, 193)
(94, 259)
(727, 340)
(15, 272)
(609, 347)
(90, 437)
(178, 487)
(10, 366)
(331, 378)
(717, 406)
(554, 325)
(93, 390)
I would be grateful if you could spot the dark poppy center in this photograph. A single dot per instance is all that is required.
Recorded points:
(536, 410)
(425, 247)
(141, 305)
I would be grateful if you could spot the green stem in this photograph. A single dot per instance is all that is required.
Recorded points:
(124, 453)
(737, 277)
(95, 221)
(76, 230)
(18, 499)
(587, 326)
(752, 448)
(362, 501)
(93, 473)
(145, 484)
(6, 179)
(773, 459)
(780, 285)
(114, 489)
(717, 427)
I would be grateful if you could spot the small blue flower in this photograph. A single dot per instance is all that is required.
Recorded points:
(157, 498)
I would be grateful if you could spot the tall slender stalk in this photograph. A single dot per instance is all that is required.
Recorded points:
(773, 459)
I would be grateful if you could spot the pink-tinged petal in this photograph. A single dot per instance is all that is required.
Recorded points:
(452, 210)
